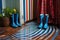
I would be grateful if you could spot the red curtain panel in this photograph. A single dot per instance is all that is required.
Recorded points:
(45, 7)
(38, 10)
(57, 11)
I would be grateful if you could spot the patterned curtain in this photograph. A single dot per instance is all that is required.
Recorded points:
(57, 11)
(45, 7)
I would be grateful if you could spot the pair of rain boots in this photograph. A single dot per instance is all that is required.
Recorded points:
(43, 24)
(15, 20)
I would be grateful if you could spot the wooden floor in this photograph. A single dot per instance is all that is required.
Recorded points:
(9, 31)
(58, 37)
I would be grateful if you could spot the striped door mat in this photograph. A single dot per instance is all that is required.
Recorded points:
(31, 32)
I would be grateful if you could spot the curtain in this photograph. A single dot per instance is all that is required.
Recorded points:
(45, 7)
(57, 11)
(26, 10)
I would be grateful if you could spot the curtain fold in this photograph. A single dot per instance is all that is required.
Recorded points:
(57, 11)
(45, 7)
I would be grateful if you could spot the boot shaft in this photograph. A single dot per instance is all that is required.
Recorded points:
(12, 17)
(46, 18)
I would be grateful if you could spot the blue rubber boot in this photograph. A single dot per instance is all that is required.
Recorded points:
(41, 20)
(12, 21)
(17, 19)
(46, 23)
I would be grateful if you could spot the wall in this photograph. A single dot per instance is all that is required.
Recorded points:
(3, 4)
(12, 4)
